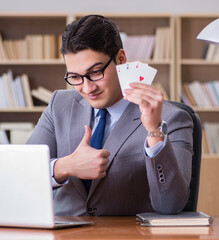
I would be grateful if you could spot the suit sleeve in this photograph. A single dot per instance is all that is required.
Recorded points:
(169, 172)
(44, 132)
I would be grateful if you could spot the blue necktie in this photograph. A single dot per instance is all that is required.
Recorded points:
(96, 140)
(97, 137)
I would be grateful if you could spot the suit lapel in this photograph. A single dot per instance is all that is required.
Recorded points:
(80, 115)
(132, 119)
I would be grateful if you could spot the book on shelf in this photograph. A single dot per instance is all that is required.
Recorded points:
(5, 99)
(49, 46)
(19, 132)
(212, 136)
(201, 94)
(216, 54)
(3, 55)
(184, 98)
(211, 52)
(209, 95)
(198, 94)
(188, 97)
(7, 86)
(26, 90)
(212, 93)
(42, 94)
(205, 146)
(15, 92)
(204, 55)
(19, 92)
(154, 219)
(138, 46)
(162, 43)
(59, 44)
(3, 137)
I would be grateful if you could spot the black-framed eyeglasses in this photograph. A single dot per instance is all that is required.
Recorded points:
(77, 79)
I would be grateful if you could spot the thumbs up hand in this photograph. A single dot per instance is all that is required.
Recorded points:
(85, 162)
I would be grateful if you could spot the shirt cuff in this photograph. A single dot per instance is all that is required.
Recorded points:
(54, 183)
(154, 150)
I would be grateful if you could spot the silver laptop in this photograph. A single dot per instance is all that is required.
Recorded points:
(26, 191)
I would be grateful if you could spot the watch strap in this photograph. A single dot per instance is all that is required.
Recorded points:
(156, 133)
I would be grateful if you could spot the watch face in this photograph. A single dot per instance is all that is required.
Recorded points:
(164, 128)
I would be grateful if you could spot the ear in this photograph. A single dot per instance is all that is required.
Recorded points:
(121, 57)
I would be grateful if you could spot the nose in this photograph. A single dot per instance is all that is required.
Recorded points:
(88, 86)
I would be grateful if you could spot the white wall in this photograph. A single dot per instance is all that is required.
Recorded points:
(141, 6)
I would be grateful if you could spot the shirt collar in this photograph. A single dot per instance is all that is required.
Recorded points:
(116, 110)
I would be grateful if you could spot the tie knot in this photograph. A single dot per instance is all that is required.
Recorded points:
(102, 113)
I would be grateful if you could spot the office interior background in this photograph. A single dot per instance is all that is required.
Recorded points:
(209, 192)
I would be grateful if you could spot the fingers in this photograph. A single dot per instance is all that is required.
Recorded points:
(104, 153)
(143, 95)
(150, 101)
(87, 135)
(144, 90)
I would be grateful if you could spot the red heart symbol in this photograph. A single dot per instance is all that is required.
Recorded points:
(141, 78)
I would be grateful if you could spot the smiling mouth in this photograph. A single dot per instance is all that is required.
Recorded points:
(94, 96)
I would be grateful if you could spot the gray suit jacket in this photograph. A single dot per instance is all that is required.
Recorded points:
(134, 182)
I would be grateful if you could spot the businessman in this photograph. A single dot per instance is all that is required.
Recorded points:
(142, 162)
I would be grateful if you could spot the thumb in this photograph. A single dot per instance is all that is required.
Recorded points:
(87, 135)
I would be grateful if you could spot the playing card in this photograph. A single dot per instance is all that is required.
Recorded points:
(135, 72)
(121, 75)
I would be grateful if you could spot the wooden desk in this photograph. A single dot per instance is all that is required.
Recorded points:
(114, 228)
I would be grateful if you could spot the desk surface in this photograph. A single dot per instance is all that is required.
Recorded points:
(114, 228)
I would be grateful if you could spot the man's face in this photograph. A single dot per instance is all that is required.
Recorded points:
(102, 93)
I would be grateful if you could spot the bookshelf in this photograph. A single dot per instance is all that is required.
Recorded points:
(48, 72)
(146, 24)
(193, 66)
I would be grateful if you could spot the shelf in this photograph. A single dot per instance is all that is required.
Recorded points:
(33, 62)
(206, 156)
(24, 110)
(205, 109)
(159, 62)
(198, 62)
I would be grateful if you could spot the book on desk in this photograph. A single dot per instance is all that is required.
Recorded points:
(180, 219)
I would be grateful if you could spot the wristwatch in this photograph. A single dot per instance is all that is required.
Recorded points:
(160, 132)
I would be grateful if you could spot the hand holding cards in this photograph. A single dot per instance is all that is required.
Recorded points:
(135, 72)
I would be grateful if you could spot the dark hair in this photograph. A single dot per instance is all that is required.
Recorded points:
(93, 32)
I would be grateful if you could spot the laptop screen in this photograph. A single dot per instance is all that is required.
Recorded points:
(25, 186)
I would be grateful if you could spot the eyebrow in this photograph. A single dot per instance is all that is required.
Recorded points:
(94, 65)
(88, 69)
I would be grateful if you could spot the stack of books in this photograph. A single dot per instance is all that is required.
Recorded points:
(162, 49)
(138, 47)
(201, 94)
(145, 47)
(33, 46)
(16, 92)
(211, 52)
